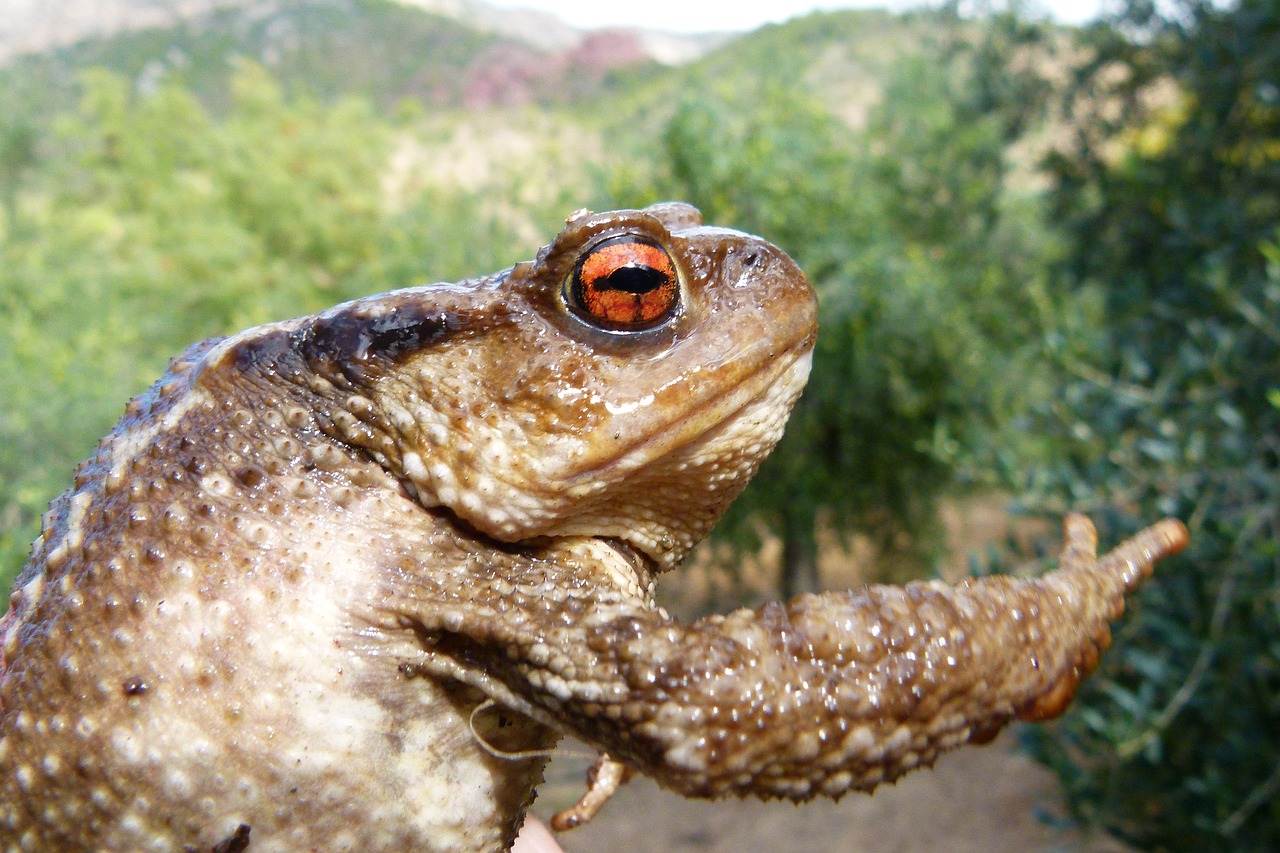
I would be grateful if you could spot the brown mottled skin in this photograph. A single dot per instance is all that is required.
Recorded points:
(339, 583)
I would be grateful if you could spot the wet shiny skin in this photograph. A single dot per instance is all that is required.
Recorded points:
(340, 582)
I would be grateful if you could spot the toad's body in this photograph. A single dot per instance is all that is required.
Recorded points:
(338, 583)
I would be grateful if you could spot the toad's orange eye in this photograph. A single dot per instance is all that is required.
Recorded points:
(624, 284)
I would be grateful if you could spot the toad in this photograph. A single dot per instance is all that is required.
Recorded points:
(340, 583)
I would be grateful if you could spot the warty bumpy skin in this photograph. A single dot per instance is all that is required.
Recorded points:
(823, 695)
(341, 582)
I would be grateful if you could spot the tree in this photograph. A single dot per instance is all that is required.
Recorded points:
(1170, 194)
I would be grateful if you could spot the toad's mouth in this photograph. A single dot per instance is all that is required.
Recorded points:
(760, 396)
(713, 448)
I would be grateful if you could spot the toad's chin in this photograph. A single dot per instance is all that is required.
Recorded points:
(719, 456)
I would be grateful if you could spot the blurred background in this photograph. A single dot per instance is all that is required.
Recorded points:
(1047, 251)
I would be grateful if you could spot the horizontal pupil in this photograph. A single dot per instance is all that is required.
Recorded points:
(632, 279)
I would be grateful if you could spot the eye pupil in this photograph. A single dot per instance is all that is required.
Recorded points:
(624, 284)
(633, 279)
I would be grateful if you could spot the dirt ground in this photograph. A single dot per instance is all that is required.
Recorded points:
(976, 800)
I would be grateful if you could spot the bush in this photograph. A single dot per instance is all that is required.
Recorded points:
(1175, 410)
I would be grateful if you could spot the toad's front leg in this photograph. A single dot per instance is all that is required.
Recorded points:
(826, 694)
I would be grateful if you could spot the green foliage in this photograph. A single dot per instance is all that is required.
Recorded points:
(151, 224)
(925, 261)
(1171, 207)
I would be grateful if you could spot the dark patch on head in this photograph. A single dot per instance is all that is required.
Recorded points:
(357, 336)
(236, 842)
(393, 334)
(351, 341)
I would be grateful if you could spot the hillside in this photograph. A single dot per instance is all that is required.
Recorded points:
(434, 52)
(438, 53)
(39, 26)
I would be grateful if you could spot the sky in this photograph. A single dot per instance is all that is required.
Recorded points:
(691, 16)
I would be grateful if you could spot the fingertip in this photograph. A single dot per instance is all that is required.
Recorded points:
(1172, 536)
(535, 838)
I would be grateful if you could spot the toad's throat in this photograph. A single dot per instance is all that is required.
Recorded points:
(761, 397)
